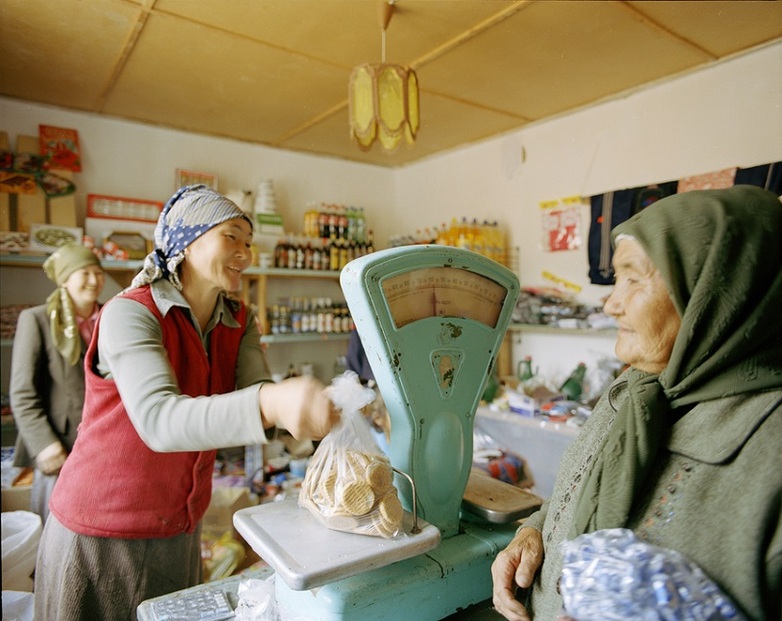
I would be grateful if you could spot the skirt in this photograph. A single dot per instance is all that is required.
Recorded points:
(80, 577)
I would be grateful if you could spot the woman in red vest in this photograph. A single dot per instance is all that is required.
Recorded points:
(174, 371)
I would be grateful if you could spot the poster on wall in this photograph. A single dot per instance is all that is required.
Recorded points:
(59, 147)
(561, 224)
(194, 177)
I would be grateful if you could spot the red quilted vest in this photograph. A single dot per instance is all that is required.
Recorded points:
(112, 484)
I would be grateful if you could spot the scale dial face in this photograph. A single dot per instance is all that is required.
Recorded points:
(443, 292)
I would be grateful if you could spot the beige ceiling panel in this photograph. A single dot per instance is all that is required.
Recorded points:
(719, 27)
(553, 56)
(62, 52)
(342, 32)
(275, 72)
(200, 79)
(333, 131)
(445, 124)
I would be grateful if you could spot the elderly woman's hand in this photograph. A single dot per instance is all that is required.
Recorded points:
(514, 567)
(298, 405)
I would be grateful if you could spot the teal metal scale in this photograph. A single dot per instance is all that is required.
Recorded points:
(431, 320)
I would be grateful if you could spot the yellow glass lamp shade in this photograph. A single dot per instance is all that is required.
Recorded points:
(383, 105)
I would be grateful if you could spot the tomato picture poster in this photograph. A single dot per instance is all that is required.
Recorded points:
(60, 147)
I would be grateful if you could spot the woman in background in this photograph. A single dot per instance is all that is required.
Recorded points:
(47, 367)
(175, 371)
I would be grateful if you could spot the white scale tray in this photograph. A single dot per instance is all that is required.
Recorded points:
(306, 554)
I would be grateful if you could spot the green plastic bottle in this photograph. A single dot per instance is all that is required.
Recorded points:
(574, 385)
(525, 371)
(491, 388)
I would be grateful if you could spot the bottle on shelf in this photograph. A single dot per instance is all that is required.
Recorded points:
(574, 385)
(525, 371)
(360, 226)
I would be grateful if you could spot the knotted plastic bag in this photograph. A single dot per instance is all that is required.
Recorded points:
(349, 481)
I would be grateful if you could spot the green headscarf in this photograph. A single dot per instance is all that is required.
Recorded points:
(720, 255)
(59, 306)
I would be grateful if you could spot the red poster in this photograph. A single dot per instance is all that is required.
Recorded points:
(561, 224)
(59, 147)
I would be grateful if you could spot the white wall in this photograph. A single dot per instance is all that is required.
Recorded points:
(121, 158)
(727, 115)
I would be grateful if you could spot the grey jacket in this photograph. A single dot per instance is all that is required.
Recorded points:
(47, 394)
(715, 496)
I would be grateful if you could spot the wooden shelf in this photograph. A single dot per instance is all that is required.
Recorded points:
(307, 337)
(543, 329)
(279, 272)
(121, 271)
(36, 260)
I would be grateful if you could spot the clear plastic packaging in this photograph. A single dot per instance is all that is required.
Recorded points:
(611, 575)
(349, 481)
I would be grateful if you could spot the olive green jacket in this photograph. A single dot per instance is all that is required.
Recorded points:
(715, 496)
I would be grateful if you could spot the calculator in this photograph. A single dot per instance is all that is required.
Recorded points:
(203, 604)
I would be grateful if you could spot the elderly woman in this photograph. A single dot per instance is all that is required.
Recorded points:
(175, 370)
(684, 448)
(47, 367)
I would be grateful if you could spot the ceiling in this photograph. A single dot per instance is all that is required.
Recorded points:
(275, 72)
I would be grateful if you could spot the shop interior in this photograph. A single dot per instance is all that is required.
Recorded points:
(528, 111)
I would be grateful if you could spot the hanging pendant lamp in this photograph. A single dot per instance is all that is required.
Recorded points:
(383, 99)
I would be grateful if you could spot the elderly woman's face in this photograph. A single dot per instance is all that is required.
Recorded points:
(640, 303)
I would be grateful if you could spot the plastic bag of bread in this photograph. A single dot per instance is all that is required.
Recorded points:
(348, 485)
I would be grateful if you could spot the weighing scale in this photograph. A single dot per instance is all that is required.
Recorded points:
(431, 320)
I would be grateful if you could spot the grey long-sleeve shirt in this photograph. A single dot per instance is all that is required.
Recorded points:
(131, 352)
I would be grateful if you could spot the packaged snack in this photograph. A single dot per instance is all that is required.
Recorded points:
(349, 481)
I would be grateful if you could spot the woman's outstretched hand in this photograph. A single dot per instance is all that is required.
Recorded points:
(298, 405)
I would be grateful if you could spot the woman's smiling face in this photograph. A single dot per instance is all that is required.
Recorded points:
(647, 319)
(221, 254)
(85, 285)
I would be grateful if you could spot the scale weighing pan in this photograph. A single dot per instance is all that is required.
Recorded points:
(496, 501)
(306, 554)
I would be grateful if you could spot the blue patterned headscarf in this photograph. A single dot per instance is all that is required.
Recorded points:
(187, 215)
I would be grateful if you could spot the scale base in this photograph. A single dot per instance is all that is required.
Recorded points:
(427, 587)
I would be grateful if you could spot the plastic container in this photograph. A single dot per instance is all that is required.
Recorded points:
(21, 532)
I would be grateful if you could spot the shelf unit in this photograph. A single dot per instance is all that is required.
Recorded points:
(260, 277)
(544, 329)
(123, 272)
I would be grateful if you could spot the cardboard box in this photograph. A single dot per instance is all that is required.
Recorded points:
(20, 211)
(219, 516)
(16, 498)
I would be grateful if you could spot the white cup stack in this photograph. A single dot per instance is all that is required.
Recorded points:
(265, 201)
